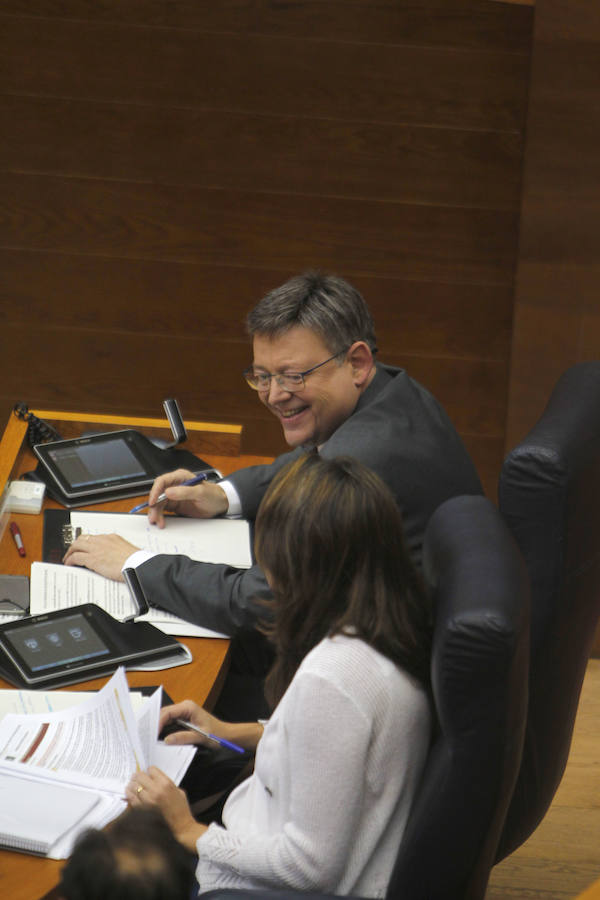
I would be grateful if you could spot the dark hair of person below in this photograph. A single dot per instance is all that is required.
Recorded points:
(329, 537)
(325, 304)
(135, 858)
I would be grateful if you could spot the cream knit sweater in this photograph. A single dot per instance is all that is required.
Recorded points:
(335, 774)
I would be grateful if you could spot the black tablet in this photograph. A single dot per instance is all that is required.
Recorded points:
(100, 464)
(76, 644)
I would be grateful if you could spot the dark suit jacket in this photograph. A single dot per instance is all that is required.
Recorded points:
(398, 429)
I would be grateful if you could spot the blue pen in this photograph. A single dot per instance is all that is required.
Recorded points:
(195, 480)
(211, 737)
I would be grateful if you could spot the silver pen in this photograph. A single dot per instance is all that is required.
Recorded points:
(212, 737)
(191, 481)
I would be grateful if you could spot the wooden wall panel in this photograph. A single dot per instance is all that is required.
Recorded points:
(447, 23)
(163, 165)
(187, 224)
(101, 294)
(94, 367)
(416, 85)
(218, 149)
(75, 292)
(556, 313)
(90, 371)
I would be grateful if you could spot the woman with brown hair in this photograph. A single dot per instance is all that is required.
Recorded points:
(338, 762)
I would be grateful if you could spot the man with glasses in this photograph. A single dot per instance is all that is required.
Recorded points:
(314, 369)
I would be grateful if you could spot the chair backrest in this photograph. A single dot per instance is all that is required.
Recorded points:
(479, 686)
(549, 495)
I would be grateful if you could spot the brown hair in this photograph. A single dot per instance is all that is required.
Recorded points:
(326, 304)
(137, 856)
(329, 538)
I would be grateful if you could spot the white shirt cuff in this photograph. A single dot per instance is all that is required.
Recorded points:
(234, 510)
(136, 559)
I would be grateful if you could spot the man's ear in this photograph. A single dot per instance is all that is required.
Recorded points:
(362, 362)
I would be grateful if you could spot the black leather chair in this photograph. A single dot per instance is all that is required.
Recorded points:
(549, 495)
(479, 686)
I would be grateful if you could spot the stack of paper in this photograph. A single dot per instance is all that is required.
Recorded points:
(74, 765)
(208, 540)
(34, 818)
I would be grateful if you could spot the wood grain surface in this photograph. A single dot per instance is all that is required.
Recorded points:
(164, 165)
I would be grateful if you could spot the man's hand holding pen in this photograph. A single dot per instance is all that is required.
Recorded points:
(181, 492)
(203, 500)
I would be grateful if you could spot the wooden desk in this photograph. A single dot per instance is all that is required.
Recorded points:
(24, 877)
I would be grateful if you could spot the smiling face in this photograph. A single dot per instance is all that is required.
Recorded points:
(310, 416)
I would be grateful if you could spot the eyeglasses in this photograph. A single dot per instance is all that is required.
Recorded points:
(289, 381)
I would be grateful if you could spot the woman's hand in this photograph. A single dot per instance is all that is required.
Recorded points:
(154, 788)
(190, 712)
(244, 734)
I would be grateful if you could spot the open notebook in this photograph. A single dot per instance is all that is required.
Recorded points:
(33, 817)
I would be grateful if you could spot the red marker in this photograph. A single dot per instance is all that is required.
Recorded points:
(17, 538)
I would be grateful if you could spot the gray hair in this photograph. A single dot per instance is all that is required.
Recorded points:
(325, 304)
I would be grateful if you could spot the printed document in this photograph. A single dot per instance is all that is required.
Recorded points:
(55, 587)
(208, 540)
(94, 746)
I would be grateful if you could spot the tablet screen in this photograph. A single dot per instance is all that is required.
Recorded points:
(99, 464)
(46, 645)
(84, 465)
